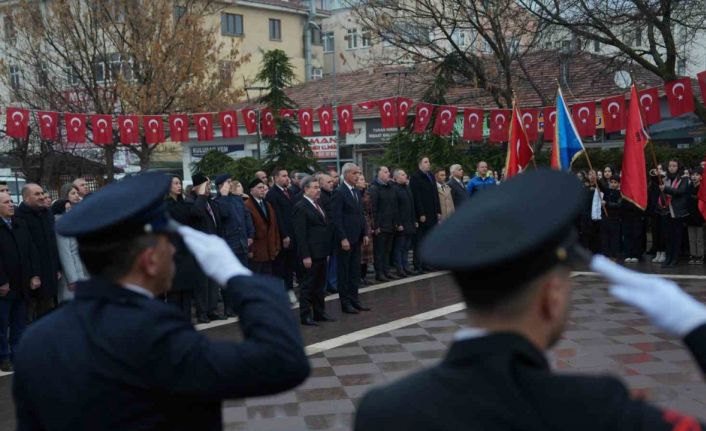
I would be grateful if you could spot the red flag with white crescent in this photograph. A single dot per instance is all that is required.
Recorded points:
(680, 96)
(388, 113)
(345, 119)
(249, 119)
(229, 124)
(530, 123)
(633, 179)
(48, 125)
(584, 116)
(306, 121)
(154, 129)
(204, 127)
(75, 128)
(422, 117)
(613, 113)
(102, 129)
(287, 113)
(325, 114)
(649, 101)
(403, 106)
(499, 124)
(179, 128)
(519, 149)
(549, 122)
(473, 124)
(128, 128)
(445, 120)
(268, 127)
(17, 125)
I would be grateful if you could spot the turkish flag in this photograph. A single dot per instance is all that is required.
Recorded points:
(680, 96)
(549, 122)
(519, 149)
(633, 180)
(17, 125)
(649, 101)
(530, 123)
(102, 129)
(306, 121)
(370, 104)
(229, 124)
(388, 113)
(584, 116)
(701, 77)
(499, 124)
(204, 127)
(75, 128)
(179, 128)
(267, 126)
(403, 106)
(128, 129)
(345, 119)
(472, 124)
(445, 120)
(48, 125)
(422, 117)
(250, 119)
(325, 114)
(613, 113)
(287, 113)
(154, 129)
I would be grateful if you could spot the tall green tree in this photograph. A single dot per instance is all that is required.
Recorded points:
(286, 148)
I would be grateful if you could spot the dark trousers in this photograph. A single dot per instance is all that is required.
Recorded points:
(182, 300)
(13, 321)
(38, 306)
(312, 289)
(206, 297)
(331, 271)
(264, 267)
(657, 229)
(348, 274)
(284, 266)
(610, 237)
(382, 249)
(674, 232)
(590, 234)
(633, 228)
(422, 231)
(400, 252)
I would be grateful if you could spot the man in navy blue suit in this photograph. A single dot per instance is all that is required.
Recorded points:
(116, 358)
(351, 231)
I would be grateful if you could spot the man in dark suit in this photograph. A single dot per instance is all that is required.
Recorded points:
(426, 206)
(314, 234)
(327, 188)
(458, 189)
(385, 221)
(351, 230)
(282, 200)
(118, 358)
(515, 277)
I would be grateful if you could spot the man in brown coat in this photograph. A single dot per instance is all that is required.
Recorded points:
(265, 246)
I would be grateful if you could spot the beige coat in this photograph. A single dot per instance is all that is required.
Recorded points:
(446, 201)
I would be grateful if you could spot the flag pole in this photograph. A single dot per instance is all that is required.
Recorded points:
(585, 150)
(650, 142)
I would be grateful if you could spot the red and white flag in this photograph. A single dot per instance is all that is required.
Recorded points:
(102, 129)
(75, 128)
(445, 120)
(613, 113)
(530, 123)
(472, 124)
(325, 114)
(229, 124)
(404, 104)
(388, 113)
(128, 129)
(287, 113)
(649, 101)
(422, 117)
(499, 124)
(584, 116)
(204, 127)
(306, 121)
(345, 119)
(179, 127)
(48, 125)
(249, 119)
(680, 96)
(154, 129)
(519, 149)
(17, 125)
(633, 180)
(549, 122)
(268, 127)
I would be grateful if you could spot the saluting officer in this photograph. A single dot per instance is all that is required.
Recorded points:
(514, 271)
(116, 358)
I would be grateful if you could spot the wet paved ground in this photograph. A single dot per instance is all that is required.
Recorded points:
(410, 327)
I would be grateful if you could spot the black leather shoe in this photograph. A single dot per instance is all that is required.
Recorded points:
(309, 322)
(349, 309)
(6, 365)
(361, 307)
(324, 318)
(216, 316)
(202, 318)
(364, 281)
(409, 272)
(381, 278)
(392, 276)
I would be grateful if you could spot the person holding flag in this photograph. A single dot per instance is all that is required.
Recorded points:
(519, 148)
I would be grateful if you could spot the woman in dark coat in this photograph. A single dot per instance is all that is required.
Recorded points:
(674, 208)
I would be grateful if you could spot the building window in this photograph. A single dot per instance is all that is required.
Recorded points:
(459, 38)
(365, 38)
(99, 71)
(275, 29)
(317, 73)
(317, 38)
(9, 30)
(179, 12)
(352, 38)
(596, 46)
(231, 24)
(329, 43)
(119, 68)
(638, 37)
(681, 67)
(15, 77)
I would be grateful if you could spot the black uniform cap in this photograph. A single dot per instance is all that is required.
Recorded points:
(506, 236)
(121, 210)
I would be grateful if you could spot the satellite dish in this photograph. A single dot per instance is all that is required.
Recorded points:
(622, 79)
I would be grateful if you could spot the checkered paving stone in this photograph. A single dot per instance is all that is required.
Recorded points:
(604, 336)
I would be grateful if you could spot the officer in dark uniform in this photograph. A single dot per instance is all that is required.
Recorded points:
(513, 269)
(117, 359)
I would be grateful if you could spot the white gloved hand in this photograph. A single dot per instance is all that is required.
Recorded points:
(663, 301)
(214, 256)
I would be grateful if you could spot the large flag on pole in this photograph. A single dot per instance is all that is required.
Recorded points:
(633, 183)
(519, 148)
(566, 144)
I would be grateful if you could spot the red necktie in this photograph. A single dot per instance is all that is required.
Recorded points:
(320, 210)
